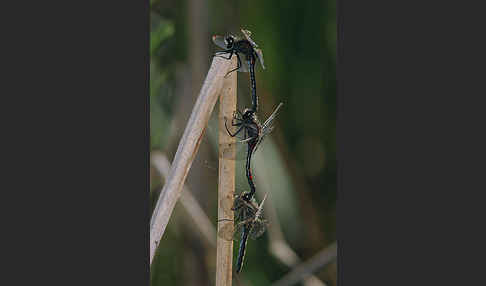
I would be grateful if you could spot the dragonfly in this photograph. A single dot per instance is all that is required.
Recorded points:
(247, 48)
(249, 130)
(249, 223)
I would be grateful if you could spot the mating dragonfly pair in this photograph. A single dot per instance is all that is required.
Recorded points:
(249, 220)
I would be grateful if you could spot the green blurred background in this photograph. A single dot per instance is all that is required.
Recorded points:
(296, 164)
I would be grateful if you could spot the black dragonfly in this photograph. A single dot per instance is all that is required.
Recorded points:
(249, 222)
(249, 130)
(247, 48)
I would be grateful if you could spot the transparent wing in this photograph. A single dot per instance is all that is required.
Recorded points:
(244, 211)
(247, 35)
(272, 116)
(226, 232)
(259, 228)
(238, 230)
(219, 41)
(244, 215)
(259, 52)
(260, 57)
(241, 151)
(244, 64)
(229, 232)
(267, 126)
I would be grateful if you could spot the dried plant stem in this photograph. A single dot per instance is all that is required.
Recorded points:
(187, 150)
(282, 251)
(189, 203)
(226, 178)
(318, 261)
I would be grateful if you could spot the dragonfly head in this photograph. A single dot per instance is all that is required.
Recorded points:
(229, 41)
(246, 196)
(248, 113)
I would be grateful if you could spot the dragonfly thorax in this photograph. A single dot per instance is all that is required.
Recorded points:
(250, 119)
(245, 47)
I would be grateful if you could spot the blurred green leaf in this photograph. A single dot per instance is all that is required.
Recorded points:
(157, 78)
(159, 126)
(161, 33)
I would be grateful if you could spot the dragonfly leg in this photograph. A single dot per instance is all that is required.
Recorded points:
(237, 123)
(218, 56)
(233, 121)
(219, 53)
(252, 126)
(249, 205)
(224, 219)
(236, 208)
(245, 140)
(248, 139)
(230, 55)
(235, 118)
(222, 52)
(239, 112)
(237, 67)
(246, 221)
(229, 132)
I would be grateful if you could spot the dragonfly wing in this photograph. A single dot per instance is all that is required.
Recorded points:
(237, 232)
(241, 151)
(219, 41)
(247, 35)
(260, 57)
(230, 232)
(226, 232)
(259, 228)
(270, 119)
(243, 210)
(239, 208)
(258, 224)
(267, 127)
(248, 211)
(262, 137)
(244, 64)
(255, 46)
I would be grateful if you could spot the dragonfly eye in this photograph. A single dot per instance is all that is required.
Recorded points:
(246, 197)
(229, 42)
(247, 113)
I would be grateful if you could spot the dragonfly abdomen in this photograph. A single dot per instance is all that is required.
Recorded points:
(254, 98)
(249, 176)
(242, 250)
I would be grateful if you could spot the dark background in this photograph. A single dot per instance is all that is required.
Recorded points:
(296, 164)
